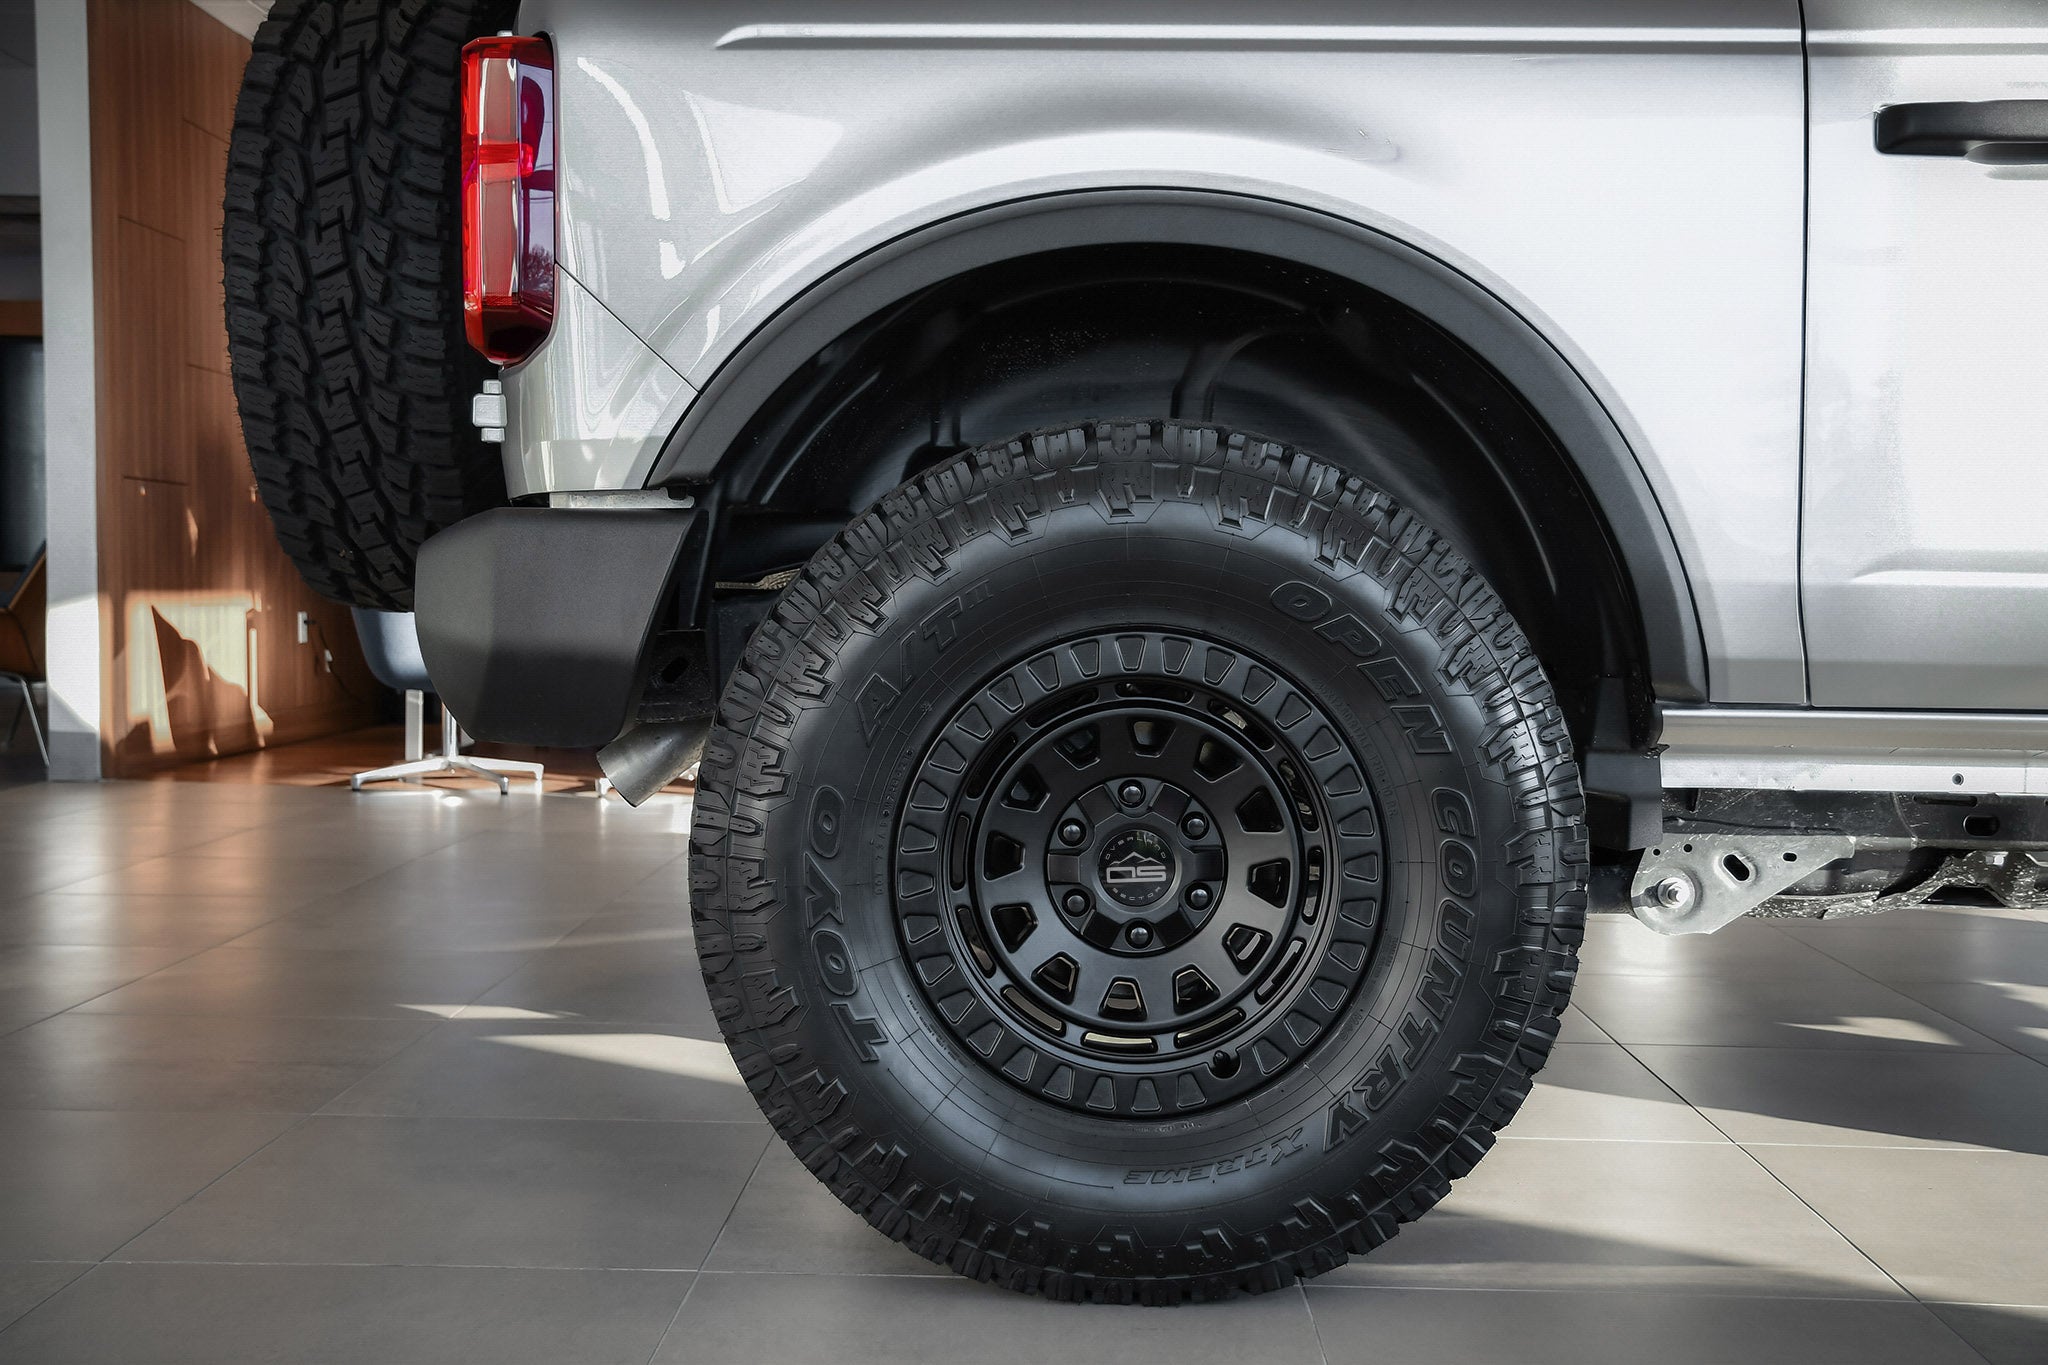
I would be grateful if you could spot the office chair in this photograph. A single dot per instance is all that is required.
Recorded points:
(391, 646)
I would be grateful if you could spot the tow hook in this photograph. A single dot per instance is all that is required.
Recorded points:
(487, 411)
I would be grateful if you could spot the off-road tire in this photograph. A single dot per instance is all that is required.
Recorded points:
(1164, 540)
(341, 249)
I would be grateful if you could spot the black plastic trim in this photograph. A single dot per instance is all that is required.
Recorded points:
(535, 623)
(2008, 132)
(699, 447)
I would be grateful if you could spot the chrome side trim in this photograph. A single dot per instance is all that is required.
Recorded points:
(622, 500)
(1330, 37)
(1942, 42)
(1810, 750)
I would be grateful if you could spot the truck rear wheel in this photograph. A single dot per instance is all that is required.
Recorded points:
(344, 287)
(1138, 863)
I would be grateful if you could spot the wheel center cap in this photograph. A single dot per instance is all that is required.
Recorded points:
(1137, 867)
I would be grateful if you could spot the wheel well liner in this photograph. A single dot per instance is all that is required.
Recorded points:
(702, 447)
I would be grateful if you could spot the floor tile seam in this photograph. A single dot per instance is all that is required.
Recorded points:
(709, 1252)
(1847, 1240)
(260, 1148)
(1771, 1175)
(1322, 1349)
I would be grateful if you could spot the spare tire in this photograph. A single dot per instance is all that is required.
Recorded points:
(341, 247)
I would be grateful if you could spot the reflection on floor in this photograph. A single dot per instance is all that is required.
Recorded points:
(331, 761)
(430, 1076)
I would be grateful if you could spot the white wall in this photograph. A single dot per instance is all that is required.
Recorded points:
(69, 397)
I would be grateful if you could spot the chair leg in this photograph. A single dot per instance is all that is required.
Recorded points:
(415, 725)
(35, 724)
(471, 765)
(426, 767)
(513, 766)
(494, 768)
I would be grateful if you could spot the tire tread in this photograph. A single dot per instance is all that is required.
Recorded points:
(340, 259)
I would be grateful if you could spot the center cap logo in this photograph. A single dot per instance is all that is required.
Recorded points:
(1136, 867)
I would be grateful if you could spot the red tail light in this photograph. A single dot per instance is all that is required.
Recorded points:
(508, 195)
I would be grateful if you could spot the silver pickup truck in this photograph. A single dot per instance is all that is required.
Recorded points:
(1192, 542)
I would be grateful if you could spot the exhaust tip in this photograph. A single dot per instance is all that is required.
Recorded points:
(646, 758)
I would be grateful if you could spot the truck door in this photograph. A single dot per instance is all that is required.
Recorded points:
(1924, 560)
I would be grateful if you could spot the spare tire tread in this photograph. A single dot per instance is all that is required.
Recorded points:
(340, 251)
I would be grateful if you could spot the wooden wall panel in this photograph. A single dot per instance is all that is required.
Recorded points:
(200, 606)
(21, 317)
(146, 303)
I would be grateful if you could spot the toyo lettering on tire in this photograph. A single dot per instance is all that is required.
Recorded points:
(1139, 862)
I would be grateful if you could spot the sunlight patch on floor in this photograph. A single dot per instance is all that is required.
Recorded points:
(486, 1012)
(1884, 1026)
(693, 1058)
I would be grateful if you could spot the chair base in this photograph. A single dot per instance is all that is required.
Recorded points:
(499, 770)
(451, 759)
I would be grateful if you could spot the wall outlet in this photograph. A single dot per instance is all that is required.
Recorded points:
(305, 628)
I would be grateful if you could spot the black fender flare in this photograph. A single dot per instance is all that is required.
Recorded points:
(699, 449)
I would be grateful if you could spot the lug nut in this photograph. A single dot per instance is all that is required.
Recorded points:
(1075, 902)
(1130, 793)
(1198, 898)
(1138, 935)
(1073, 832)
(1194, 827)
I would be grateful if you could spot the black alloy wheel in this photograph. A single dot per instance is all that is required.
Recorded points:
(1126, 891)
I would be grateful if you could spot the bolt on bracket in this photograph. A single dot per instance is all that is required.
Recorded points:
(1697, 883)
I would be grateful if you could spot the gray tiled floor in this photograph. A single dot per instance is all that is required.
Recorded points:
(303, 1076)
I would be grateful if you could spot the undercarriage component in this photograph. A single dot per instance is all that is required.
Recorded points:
(2017, 881)
(1727, 853)
(1697, 884)
(1922, 819)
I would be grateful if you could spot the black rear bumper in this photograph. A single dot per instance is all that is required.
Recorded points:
(535, 623)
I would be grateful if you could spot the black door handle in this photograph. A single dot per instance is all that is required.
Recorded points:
(2008, 132)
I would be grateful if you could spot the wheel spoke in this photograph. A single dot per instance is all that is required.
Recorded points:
(1206, 864)
(1249, 850)
(1241, 906)
(1178, 753)
(1029, 830)
(1119, 753)
(1231, 790)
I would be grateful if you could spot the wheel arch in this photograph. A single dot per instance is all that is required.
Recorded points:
(711, 445)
